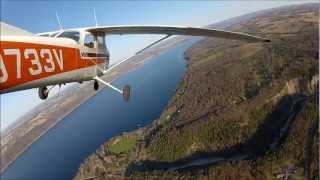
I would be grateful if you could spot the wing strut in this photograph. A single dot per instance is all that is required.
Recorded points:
(126, 89)
(140, 51)
(152, 44)
(125, 92)
(107, 84)
(124, 60)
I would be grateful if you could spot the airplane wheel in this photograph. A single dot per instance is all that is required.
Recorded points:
(43, 93)
(126, 93)
(96, 85)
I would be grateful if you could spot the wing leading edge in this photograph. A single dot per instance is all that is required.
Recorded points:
(175, 30)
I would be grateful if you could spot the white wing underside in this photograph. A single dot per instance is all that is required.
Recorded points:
(169, 30)
(175, 30)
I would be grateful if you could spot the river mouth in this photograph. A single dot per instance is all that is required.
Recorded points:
(268, 137)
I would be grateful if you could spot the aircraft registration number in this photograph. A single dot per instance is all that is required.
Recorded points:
(36, 62)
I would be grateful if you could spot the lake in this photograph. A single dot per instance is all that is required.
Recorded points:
(58, 154)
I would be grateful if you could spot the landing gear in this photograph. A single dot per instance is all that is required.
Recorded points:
(43, 93)
(125, 91)
(96, 85)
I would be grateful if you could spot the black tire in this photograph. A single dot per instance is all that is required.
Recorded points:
(96, 85)
(43, 93)
(126, 93)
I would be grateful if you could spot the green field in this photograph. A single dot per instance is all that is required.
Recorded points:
(123, 145)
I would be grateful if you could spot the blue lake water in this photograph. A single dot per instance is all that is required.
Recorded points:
(58, 154)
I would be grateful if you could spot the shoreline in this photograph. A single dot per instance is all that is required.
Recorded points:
(3, 169)
(114, 75)
(231, 154)
(244, 110)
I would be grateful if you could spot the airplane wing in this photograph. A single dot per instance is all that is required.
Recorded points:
(10, 30)
(175, 30)
(169, 31)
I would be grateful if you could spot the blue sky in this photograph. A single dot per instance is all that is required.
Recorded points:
(39, 16)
